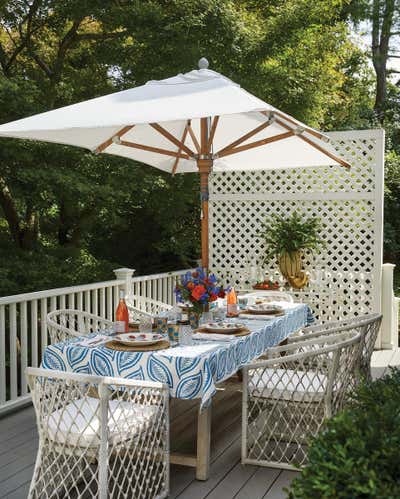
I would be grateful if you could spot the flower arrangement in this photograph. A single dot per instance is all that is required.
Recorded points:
(199, 289)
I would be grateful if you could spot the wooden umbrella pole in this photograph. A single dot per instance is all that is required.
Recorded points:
(204, 164)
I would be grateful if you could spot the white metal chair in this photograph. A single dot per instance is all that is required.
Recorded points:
(271, 296)
(287, 397)
(140, 307)
(67, 323)
(368, 325)
(99, 437)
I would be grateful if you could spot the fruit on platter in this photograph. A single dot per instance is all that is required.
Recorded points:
(266, 284)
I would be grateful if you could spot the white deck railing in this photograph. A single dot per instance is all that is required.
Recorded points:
(23, 330)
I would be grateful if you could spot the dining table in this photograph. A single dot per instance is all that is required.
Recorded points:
(190, 371)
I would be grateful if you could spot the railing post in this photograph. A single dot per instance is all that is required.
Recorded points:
(125, 274)
(389, 333)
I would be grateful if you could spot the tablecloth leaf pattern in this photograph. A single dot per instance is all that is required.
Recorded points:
(187, 377)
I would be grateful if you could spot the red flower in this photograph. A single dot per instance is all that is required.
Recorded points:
(221, 293)
(213, 297)
(195, 274)
(198, 292)
(190, 285)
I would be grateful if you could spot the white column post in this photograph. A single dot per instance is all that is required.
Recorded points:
(125, 274)
(389, 326)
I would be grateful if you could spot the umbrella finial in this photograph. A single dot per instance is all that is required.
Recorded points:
(203, 63)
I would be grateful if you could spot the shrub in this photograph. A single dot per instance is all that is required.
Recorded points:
(357, 455)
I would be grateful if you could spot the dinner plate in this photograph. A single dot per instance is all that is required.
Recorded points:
(222, 327)
(138, 339)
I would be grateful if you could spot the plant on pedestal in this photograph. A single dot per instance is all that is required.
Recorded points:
(286, 238)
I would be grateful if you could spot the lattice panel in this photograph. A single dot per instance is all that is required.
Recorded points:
(345, 276)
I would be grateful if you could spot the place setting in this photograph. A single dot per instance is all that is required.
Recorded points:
(136, 341)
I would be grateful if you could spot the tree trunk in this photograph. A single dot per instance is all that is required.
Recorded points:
(24, 231)
(382, 22)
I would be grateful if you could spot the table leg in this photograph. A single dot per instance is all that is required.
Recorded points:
(203, 443)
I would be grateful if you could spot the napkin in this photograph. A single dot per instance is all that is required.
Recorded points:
(214, 337)
(258, 317)
(94, 341)
(187, 350)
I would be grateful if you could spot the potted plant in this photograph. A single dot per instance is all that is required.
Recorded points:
(286, 238)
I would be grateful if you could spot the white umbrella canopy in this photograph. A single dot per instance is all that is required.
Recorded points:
(194, 122)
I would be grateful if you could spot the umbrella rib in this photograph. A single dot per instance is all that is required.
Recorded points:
(175, 165)
(316, 146)
(309, 130)
(257, 143)
(157, 150)
(244, 137)
(109, 141)
(193, 136)
(212, 132)
(171, 138)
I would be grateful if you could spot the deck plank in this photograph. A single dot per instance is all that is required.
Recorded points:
(259, 484)
(231, 484)
(284, 480)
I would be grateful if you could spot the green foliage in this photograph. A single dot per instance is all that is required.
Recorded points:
(283, 234)
(357, 453)
(296, 54)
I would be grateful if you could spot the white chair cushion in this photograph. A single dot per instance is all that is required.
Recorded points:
(287, 384)
(78, 423)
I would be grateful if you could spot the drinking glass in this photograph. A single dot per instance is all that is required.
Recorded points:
(185, 334)
(146, 324)
(205, 318)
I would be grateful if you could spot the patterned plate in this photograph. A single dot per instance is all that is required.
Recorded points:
(222, 327)
(138, 339)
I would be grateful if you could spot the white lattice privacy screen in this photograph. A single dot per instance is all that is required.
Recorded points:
(345, 277)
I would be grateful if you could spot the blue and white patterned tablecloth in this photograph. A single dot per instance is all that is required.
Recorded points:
(190, 372)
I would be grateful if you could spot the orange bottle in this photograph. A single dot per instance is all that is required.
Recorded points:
(231, 302)
(122, 315)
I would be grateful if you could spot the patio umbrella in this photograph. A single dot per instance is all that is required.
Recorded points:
(199, 121)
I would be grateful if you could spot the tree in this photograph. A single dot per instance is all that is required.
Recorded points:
(67, 203)
(384, 18)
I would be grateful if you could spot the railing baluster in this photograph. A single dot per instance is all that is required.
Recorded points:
(116, 298)
(159, 289)
(79, 305)
(43, 325)
(71, 301)
(34, 333)
(62, 302)
(2, 354)
(13, 351)
(53, 304)
(87, 301)
(95, 309)
(110, 308)
(102, 303)
(24, 345)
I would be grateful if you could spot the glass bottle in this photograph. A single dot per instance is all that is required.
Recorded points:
(122, 315)
(231, 302)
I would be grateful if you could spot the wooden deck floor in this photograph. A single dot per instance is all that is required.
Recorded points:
(228, 479)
